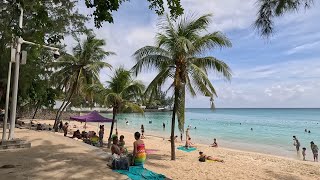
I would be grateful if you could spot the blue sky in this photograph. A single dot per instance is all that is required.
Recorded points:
(283, 71)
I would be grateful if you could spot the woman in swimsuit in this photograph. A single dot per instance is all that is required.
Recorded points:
(204, 157)
(139, 152)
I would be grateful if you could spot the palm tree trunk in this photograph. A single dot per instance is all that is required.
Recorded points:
(66, 104)
(56, 122)
(173, 123)
(63, 106)
(35, 112)
(114, 113)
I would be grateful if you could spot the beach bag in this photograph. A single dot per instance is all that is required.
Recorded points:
(202, 159)
(121, 163)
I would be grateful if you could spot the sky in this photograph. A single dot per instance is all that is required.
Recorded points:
(280, 72)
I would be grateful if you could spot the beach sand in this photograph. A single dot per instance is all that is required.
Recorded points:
(53, 156)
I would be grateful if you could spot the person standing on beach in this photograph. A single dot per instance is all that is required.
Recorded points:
(304, 153)
(315, 150)
(65, 129)
(187, 134)
(101, 134)
(181, 136)
(142, 131)
(163, 125)
(296, 143)
(60, 126)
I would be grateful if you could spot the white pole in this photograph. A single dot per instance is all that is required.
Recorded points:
(4, 133)
(16, 81)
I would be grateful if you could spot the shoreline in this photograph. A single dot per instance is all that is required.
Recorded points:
(292, 156)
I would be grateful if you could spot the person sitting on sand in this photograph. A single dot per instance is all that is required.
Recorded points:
(77, 134)
(214, 144)
(115, 149)
(189, 143)
(203, 158)
(84, 135)
(315, 150)
(94, 139)
(139, 151)
(121, 144)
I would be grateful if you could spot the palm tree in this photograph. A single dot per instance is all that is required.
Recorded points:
(178, 56)
(122, 94)
(269, 9)
(75, 72)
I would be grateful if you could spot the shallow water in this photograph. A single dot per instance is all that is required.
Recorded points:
(272, 128)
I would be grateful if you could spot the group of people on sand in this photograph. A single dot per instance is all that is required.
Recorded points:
(138, 156)
(314, 148)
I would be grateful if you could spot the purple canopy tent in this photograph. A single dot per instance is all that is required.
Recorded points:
(93, 116)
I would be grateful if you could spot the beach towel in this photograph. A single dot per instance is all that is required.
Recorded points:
(190, 149)
(140, 173)
(151, 151)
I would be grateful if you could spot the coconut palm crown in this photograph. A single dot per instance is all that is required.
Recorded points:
(179, 57)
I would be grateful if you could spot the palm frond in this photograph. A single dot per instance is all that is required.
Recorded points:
(211, 63)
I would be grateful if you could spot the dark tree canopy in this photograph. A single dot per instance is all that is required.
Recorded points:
(270, 9)
(104, 8)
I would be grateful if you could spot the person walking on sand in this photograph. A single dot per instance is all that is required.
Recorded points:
(315, 150)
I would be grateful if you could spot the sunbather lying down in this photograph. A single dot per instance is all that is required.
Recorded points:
(203, 158)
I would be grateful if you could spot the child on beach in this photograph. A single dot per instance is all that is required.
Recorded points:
(315, 150)
(304, 153)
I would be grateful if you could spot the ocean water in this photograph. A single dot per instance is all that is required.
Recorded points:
(272, 128)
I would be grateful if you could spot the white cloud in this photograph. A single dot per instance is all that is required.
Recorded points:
(303, 47)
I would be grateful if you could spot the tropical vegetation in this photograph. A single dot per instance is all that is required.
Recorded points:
(122, 94)
(75, 73)
(178, 56)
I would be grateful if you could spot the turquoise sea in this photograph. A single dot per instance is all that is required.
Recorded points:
(272, 128)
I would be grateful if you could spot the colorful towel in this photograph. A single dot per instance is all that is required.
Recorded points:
(190, 149)
(151, 151)
(140, 173)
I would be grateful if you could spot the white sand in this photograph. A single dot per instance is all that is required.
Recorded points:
(53, 156)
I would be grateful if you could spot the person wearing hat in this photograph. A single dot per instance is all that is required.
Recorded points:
(315, 150)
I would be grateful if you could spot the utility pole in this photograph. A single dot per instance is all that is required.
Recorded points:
(16, 80)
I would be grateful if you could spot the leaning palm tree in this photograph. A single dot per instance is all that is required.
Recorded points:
(75, 72)
(122, 94)
(178, 56)
(269, 9)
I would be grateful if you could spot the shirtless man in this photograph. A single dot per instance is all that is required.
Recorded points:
(189, 143)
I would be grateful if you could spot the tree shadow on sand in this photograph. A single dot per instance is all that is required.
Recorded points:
(48, 161)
